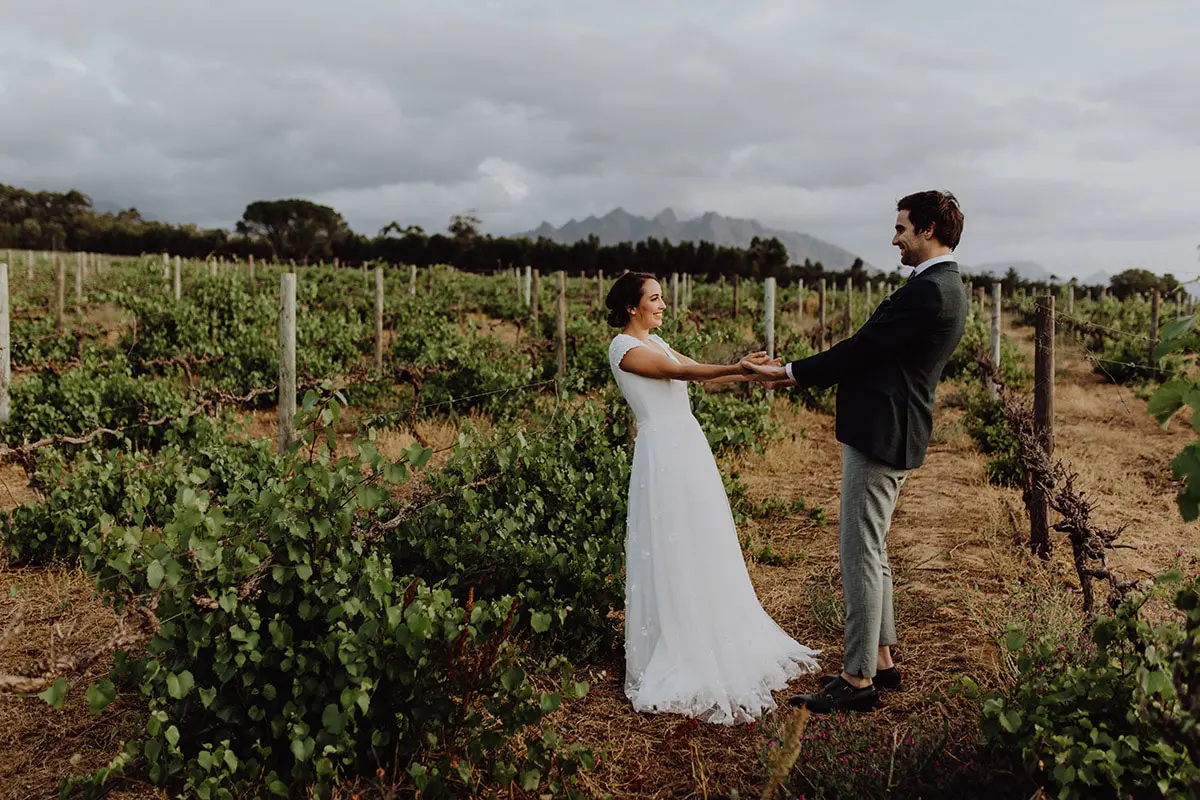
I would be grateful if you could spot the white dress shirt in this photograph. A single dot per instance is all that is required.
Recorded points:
(917, 270)
(929, 262)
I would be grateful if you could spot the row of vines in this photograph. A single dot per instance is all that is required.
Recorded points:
(297, 620)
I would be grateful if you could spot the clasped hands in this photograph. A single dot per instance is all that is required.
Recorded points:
(770, 372)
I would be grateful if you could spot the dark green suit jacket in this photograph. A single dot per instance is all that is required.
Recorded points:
(887, 372)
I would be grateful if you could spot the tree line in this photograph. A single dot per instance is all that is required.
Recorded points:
(304, 232)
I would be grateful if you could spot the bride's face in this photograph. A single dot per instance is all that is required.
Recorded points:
(650, 311)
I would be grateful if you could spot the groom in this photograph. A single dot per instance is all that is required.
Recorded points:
(886, 375)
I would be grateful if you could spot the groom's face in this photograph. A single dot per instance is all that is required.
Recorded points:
(912, 245)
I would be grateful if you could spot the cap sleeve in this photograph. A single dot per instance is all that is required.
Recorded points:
(621, 344)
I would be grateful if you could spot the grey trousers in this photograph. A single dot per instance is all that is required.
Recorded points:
(870, 489)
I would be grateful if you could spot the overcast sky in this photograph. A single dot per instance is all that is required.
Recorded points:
(1069, 129)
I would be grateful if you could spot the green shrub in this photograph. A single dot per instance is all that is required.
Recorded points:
(1106, 716)
(1127, 360)
(78, 401)
(985, 422)
(290, 651)
(538, 514)
(977, 338)
(735, 419)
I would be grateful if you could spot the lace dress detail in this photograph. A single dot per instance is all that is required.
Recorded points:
(697, 641)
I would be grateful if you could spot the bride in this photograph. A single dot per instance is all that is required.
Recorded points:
(697, 641)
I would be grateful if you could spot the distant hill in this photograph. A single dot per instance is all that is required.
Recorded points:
(619, 226)
(1033, 271)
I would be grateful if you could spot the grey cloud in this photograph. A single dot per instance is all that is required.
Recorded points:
(387, 110)
(1163, 102)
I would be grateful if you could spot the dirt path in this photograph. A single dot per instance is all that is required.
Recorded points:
(958, 573)
(1123, 459)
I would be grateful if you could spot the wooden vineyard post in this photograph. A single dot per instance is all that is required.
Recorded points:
(1043, 421)
(166, 266)
(287, 360)
(1070, 298)
(78, 278)
(600, 288)
(528, 285)
(800, 301)
(769, 315)
(412, 279)
(562, 323)
(870, 308)
(995, 348)
(1154, 306)
(1179, 301)
(178, 282)
(821, 316)
(537, 291)
(250, 268)
(29, 266)
(848, 312)
(5, 347)
(674, 293)
(379, 318)
(60, 291)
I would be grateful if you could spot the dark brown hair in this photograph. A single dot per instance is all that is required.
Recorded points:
(937, 209)
(625, 293)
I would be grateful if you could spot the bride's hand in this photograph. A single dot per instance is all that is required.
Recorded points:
(752, 360)
(768, 370)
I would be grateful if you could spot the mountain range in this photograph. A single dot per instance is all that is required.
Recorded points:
(1032, 271)
(619, 225)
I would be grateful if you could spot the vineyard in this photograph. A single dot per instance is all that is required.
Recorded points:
(414, 585)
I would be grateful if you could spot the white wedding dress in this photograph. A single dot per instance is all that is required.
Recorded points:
(697, 641)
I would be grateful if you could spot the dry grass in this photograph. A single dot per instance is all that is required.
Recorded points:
(959, 578)
(439, 434)
(14, 487)
(111, 319)
(504, 330)
(39, 746)
(959, 575)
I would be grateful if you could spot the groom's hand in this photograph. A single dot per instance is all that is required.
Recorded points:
(770, 370)
(750, 361)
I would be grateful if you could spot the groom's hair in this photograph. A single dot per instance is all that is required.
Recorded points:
(626, 293)
(937, 209)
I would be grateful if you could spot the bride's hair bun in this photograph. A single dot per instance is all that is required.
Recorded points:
(625, 293)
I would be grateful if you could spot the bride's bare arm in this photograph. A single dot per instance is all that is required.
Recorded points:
(743, 378)
(649, 364)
